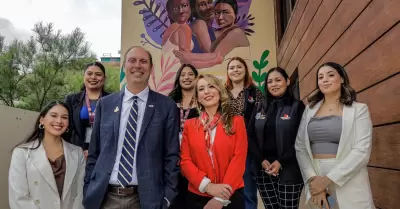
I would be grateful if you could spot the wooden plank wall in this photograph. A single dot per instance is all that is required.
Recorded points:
(363, 36)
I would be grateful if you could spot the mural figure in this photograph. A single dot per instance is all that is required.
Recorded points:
(229, 39)
(203, 33)
(177, 37)
(202, 30)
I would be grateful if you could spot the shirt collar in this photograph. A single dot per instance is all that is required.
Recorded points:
(143, 95)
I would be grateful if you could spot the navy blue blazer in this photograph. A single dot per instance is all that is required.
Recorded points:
(157, 152)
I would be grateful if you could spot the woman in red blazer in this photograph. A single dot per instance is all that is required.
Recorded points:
(214, 150)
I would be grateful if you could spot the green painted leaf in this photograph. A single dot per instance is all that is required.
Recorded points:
(256, 64)
(255, 76)
(264, 56)
(264, 76)
(264, 64)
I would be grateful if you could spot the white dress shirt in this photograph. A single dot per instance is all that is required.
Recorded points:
(125, 108)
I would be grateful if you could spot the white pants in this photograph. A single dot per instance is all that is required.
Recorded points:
(322, 168)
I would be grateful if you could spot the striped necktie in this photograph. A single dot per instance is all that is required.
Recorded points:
(129, 146)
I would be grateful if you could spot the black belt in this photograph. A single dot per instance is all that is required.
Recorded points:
(129, 190)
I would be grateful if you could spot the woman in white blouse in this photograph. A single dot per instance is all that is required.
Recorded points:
(47, 172)
(333, 144)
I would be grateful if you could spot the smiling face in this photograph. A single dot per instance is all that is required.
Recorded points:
(94, 78)
(236, 71)
(187, 79)
(224, 15)
(204, 9)
(55, 122)
(208, 94)
(137, 67)
(179, 11)
(329, 80)
(277, 84)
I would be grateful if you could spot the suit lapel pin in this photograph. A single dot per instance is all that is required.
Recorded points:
(116, 109)
(151, 105)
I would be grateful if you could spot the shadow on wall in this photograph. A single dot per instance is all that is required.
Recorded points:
(15, 124)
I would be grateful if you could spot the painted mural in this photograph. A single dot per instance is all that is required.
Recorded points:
(203, 33)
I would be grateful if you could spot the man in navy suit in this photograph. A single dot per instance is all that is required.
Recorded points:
(134, 149)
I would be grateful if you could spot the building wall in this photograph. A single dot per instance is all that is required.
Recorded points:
(15, 125)
(363, 36)
(141, 26)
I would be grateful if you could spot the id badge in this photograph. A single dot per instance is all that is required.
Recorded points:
(88, 135)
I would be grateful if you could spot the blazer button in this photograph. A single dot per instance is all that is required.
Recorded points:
(36, 183)
(37, 202)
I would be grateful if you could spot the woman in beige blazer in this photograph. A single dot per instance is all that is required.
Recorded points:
(47, 172)
(333, 144)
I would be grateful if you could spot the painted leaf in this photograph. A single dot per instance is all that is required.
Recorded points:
(255, 76)
(264, 55)
(154, 18)
(264, 64)
(166, 87)
(167, 76)
(256, 64)
(263, 76)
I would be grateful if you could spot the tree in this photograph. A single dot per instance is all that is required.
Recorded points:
(15, 62)
(54, 53)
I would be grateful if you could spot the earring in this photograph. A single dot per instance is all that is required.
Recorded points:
(66, 131)
(41, 126)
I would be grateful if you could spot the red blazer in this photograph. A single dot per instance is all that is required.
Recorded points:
(230, 152)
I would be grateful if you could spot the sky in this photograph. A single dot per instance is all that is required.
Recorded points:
(100, 20)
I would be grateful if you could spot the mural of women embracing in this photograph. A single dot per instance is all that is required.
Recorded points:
(204, 33)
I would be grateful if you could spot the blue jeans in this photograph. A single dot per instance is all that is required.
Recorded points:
(250, 185)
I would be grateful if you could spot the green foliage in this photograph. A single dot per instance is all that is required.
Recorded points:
(44, 68)
(259, 77)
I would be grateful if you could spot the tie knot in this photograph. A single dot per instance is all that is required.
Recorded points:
(135, 98)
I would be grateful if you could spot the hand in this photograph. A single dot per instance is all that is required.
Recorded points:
(85, 154)
(319, 184)
(181, 55)
(320, 200)
(213, 204)
(265, 164)
(273, 169)
(223, 191)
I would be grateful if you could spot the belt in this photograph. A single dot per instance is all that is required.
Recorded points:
(129, 190)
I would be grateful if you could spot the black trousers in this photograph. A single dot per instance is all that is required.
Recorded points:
(198, 202)
(181, 200)
(276, 195)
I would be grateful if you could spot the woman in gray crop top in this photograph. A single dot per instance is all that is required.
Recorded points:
(333, 144)
(324, 133)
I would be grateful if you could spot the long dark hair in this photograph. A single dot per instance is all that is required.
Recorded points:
(263, 106)
(176, 93)
(347, 94)
(38, 134)
(97, 64)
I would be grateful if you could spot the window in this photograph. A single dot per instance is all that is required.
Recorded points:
(283, 11)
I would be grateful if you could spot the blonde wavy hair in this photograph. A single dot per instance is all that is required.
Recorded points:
(224, 101)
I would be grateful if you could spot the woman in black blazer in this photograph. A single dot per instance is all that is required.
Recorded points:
(272, 133)
(83, 104)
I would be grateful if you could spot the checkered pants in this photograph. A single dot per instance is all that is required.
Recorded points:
(278, 196)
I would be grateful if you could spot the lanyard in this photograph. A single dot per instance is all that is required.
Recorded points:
(89, 108)
(184, 117)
